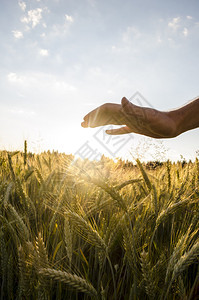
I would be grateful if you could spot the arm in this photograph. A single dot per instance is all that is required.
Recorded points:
(186, 117)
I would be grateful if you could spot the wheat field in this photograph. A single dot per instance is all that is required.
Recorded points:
(97, 230)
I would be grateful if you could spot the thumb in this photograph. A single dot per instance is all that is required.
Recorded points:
(126, 104)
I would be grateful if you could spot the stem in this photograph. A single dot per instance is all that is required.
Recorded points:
(113, 276)
(196, 282)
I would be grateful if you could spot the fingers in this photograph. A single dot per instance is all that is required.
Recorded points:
(91, 113)
(97, 117)
(90, 120)
(121, 130)
(84, 124)
(108, 113)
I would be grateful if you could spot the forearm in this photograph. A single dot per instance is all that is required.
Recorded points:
(186, 117)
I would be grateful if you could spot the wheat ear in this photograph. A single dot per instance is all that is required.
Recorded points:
(183, 263)
(93, 236)
(144, 174)
(187, 259)
(74, 281)
(147, 274)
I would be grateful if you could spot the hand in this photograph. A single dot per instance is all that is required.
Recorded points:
(142, 120)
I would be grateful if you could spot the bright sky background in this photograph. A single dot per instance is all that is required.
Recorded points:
(59, 59)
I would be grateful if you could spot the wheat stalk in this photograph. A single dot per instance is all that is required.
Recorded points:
(22, 228)
(131, 181)
(186, 260)
(8, 193)
(81, 224)
(147, 274)
(178, 250)
(11, 167)
(144, 174)
(73, 281)
(183, 263)
(41, 251)
(68, 238)
(24, 286)
(173, 208)
(113, 193)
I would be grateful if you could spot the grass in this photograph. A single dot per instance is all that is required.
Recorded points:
(103, 230)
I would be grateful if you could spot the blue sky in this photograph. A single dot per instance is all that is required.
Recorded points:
(60, 59)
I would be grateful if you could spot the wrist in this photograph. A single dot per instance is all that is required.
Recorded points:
(176, 121)
(186, 117)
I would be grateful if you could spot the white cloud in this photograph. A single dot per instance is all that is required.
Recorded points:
(41, 81)
(43, 52)
(34, 17)
(14, 78)
(69, 18)
(59, 30)
(17, 34)
(27, 113)
(159, 40)
(22, 5)
(185, 32)
(95, 71)
(189, 17)
(120, 50)
(61, 85)
(131, 33)
(174, 24)
(27, 28)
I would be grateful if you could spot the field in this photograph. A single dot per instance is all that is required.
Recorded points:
(103, 230)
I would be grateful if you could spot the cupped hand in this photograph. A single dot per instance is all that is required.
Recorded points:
(137, 119)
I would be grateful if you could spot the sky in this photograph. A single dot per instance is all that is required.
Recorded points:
(60, 59)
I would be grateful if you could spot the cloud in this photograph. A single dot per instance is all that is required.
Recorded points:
(17, 34)
(185, 32)
(14, 78)
(174, 24)
(33, 17)
(182, 26)
(41, 81)
(120, 50)
(63, 86)
(60, 30)
(24, 112)
(131, 33)
(159, 40)
(69, 19)
(43, 52)
(22, 5)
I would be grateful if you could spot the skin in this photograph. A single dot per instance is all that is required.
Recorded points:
(143, 120)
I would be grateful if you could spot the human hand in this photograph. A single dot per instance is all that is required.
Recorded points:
(141, 120)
